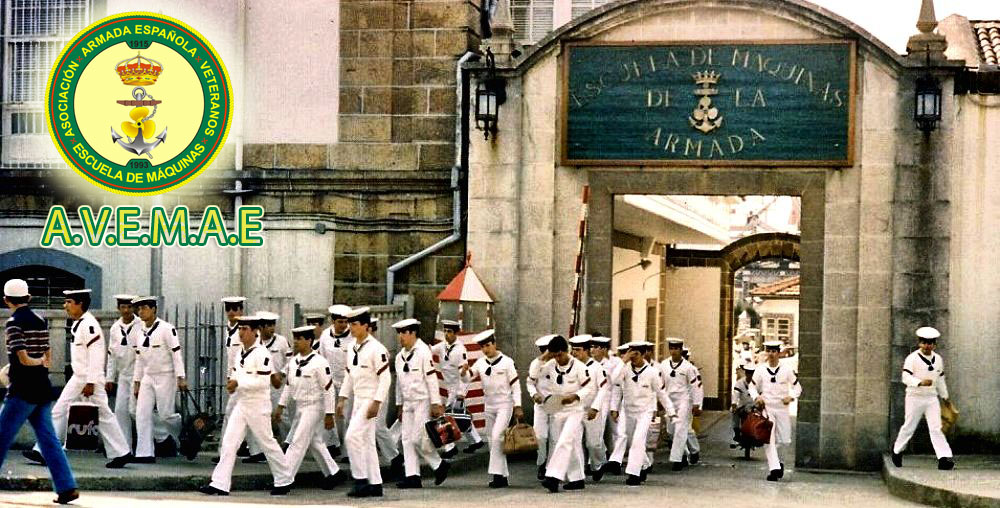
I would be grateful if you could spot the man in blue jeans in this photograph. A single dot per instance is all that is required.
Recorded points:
(29, 396)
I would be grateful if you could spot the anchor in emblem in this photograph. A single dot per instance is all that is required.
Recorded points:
(142, 71)
(705, 116)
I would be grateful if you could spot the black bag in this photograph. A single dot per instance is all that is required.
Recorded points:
(462, 417)
(196, 427)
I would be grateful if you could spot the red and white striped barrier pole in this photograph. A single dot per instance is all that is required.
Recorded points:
(581, 248)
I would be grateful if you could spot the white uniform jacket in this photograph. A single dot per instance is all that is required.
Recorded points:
(601, 388)
(682, 379)
(253, 377)
(615, 369)
(87, 352)
(499, 378)
(774, 384)
(741, 393)
(451, 358)
(159, 351)
(570, 379)
(308, 380)
(367, 372)
(281, 352)
(334, 349)
(416, 376)
(121, 349)
(536, 383)
(917, 368)
(233, 347)
(641, 389)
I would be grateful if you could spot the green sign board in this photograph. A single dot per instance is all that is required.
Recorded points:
(709, 104)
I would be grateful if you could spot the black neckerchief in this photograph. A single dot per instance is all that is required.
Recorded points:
(77, 325)
(245, 354)
(230, 332)
(491, 364)
(559, 374)
(302, 363)
(447, 350)
(635, 375)
(590, 362)
(336, 338)
(673, 368)
(269, 344)
(930, 364)
(406, 360)
(145, 343)
(357, 349)
(773, 374)
(126, 332)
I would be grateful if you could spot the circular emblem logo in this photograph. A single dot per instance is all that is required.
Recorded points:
(139, 103)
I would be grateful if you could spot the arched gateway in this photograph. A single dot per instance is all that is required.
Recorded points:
(712, 97)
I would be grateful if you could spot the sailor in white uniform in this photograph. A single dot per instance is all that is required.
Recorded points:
(596, 408)
(684, 388)
(251, 379)
(418, 399)
(742, 403)
(569, 383)
(334, 343)
(536, 386)
(367, 381)
(123, 339)
(234, 307)
(773, 388)
(452, 355)
(502, 398)
(159, 373)
(308, 381)
(279, 349)
(619, 443)
(923, 375)
(693, 448)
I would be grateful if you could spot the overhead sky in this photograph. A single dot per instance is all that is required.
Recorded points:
(894, 21)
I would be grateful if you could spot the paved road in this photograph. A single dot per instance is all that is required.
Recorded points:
(721, 480)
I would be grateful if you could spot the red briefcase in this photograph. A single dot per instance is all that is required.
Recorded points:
(443, 430)
(757, 426)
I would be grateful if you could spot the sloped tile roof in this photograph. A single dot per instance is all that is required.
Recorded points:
(987, 34)
(784, 287)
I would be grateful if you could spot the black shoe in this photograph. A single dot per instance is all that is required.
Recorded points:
(281, 491)
(334, 450)
(498, 482)
(577, 485)
(374, 490)
(946, 464)
(587, 471)
(551, 483)
(774, 475)
(166, 448)
(684, 460)
(396, 466)
(410, 482)
(212, 491)
(473, 447)
(255, 459)
(644, 473)
(676, 466)
(897, 459)
(599, 473)
(34, 456)
(143, 460)
(614, 468)
(244, 451)
(695, 457)
(541, 472)
(360, 489)
(633, 480)
(334, 480)
(67, 496)
(119, 462)
(781, 470)
(441, 473)
(449, 454)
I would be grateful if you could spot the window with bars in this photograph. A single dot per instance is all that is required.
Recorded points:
(27, 123)
(532, 19)
(778, 328)
(45, 284)
(580, 7)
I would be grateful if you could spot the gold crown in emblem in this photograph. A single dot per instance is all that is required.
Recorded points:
(139, 71)
(706, 78)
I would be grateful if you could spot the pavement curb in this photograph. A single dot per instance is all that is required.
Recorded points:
(910, 490)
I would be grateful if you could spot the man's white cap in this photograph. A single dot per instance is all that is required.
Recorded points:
(928, 332)
(254, 318)
(773, 344)
(75, 292)
(123, 298)
(339, 309)
(640, 343)
(749, 366)
(483, 335)
(623, 347)
(543, 341)
(601, 340)
(405, 323)
(15, 288)
(143, 299)
(299, 330)
(234, 299)
(579, 340)
(357, 312)
(448, 323)
(267, 316)
(675, 341)
(314, 317)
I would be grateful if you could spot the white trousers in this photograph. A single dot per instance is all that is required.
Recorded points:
(566, 460)
(540, 421)
(125, 408)
(915, 407)
(254, 416)
(692, 445)
(416, 443)
(497, 420)
(279, 429)
(310, 435)
(620, 446)
(781, 434)
(386, 444)
(230, 405)
(636, 430)
(114, 442)
(360, 442)
(682, 426)
(155, 391)
(593, 432)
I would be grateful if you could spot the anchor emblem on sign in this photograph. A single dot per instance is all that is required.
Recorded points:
(140, 71)
(705, 116)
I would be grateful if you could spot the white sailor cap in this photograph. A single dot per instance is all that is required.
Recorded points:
(264, 315)
(449, 324)
(338, 311)
(307, 332)
(314, 318)
(580, 340)
(543, 341)
(234, 299)
(773, 344)
(360, 314)
(147, 300)
(675, 342)
(640, 344)
(600, 340)
(485, 336)
(123, 298)
(253, 320)
(623, 347)
(406, 323)
(928, 333)
(15, 288)
(749, 366)
(77, 292)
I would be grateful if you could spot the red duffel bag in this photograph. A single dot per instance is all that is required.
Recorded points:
(443, 430)
(757, 426)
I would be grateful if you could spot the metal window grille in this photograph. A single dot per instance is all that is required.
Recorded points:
(27, 123)
(532, 19)
(35, 32)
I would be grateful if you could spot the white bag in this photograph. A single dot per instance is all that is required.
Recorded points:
(5, 376)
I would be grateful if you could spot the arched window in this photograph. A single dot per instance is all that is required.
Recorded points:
(45, 283)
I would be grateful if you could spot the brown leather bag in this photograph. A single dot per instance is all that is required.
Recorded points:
(757, 426)
(949, 416)
(519, 438)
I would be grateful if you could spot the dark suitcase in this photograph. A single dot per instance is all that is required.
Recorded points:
(81, 427)
(461, 416)
(196, 427)
(443, 430)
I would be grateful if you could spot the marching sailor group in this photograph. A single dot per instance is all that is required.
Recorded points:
(327, 390)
